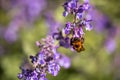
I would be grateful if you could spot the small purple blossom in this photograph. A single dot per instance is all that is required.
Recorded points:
(69, 7)
(64, 61)
(65, 13)
(86, 6)
(78, 15)
(67, 28)
(65, 42)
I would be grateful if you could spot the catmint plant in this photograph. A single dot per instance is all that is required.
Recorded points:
(72, 35)
(48, 60)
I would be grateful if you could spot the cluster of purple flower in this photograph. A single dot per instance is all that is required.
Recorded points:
(81, 18)
(73, 31)
(48, 60)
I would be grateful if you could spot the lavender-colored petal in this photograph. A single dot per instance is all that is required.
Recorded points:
(20, 76)
(52, 69)
(68, 25)
(72, 4)
(86, 6)
(80, 9)
(88, 26)
(80, 32)
(56, 56)
(79, 16)
(88, 17)
(64, 62)
(65, 42)
(65, 13)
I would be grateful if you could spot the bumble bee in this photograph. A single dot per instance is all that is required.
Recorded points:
(77, 44)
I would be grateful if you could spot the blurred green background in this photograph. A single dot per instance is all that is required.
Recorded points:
(99, 61)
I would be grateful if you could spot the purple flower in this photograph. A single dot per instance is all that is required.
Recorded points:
(78, 15)
(67, 28)
(28, 74)
(64, 61)
(80, 9)
(69, 7)
(66, 7)
(65, 13)
(72, 4)
(86, 6)
(80, 31)
(65, 42)
(82, 19)
(88, 26)
(47, 60)
(20, 76)
(53, 69)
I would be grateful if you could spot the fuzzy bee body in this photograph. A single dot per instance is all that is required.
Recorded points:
(77, 44)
